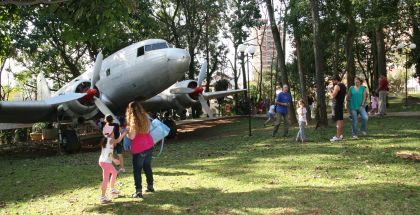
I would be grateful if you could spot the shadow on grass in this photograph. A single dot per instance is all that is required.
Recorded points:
(361, 199)
(229, 156)
(376, 148)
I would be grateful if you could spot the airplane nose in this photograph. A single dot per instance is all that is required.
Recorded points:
(178, 60)
(177, 54)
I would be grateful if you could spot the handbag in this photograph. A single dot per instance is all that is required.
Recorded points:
(158, 130)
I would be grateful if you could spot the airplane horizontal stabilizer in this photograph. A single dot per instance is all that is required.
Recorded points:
(219, 94)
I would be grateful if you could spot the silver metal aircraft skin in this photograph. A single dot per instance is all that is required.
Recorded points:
(137, 72)
(145, 71)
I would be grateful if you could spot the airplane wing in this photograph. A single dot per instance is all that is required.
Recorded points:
(218, 94)
(26, 111)
(7, 126)
(34, 111)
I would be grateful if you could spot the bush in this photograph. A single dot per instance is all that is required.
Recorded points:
(6, 136)
(21, 134)
(37, 127)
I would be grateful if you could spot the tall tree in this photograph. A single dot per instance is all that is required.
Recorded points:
(350, 35)
(8, 21)
(319, 64)
(241, 14)
(298, 28)
(280, 53)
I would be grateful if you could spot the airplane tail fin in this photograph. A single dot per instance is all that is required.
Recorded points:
(42, 90)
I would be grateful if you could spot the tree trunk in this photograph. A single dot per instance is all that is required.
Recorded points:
(280, 55)
(414, 14)
(301, 70)
(271, 76)
(245, 86)
(191, 69)
(261, 68)
(350, 69)
(374, 61)
(235, 80)
(380, 46)
(336, 52)
(3, 62)
(208, 75)
(319, 65)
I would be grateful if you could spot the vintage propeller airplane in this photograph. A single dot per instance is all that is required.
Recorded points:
(145, 71)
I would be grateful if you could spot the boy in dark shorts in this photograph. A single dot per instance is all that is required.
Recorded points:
(338, 95)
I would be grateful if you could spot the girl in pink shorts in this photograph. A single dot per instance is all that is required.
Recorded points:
(105, 162)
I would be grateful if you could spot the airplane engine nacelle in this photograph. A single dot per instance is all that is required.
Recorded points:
(81, 108)
(186, 100)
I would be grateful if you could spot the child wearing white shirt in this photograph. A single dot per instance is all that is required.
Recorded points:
(301, 111)
(270, 115)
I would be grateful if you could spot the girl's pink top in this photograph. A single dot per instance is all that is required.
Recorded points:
(374, 102)
(141, 143)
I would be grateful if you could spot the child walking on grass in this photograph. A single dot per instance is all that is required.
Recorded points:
(301, 111)
(270, 115)
(106, 159)
(374, 104)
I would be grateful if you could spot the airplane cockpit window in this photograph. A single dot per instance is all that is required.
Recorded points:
(140, 51)
(155, 46)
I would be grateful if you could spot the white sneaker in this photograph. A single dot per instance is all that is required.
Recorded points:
(104, 200)
(333, 139)
(364, 133)
(115, 191)
(355, 137)
(121, 170)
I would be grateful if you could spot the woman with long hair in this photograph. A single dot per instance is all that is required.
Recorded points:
(138, 127)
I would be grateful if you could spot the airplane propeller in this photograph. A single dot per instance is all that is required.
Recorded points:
(198, 91)
(89, 95)
(92, 92)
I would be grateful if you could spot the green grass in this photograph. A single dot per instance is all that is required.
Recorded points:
(397, 103)
(220, 170)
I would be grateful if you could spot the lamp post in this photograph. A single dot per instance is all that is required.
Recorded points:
(250, 50)
(400, 48)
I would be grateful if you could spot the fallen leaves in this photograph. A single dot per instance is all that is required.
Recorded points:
(408, 155)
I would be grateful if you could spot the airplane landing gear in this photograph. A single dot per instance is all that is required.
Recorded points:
(168, 121)
(70, 141)
(172, 125)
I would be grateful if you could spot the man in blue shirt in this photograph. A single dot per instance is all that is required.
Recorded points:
(283, 100)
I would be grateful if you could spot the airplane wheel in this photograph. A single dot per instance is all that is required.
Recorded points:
(71, 143)
(172, 125)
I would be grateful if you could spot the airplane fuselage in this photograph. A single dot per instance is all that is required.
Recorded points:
(137, 72)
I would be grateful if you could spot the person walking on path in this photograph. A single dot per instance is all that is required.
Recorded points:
(282, 105)
(338, 94)
(138, 127)
(301, 111)
(382, 91)
(356, 99)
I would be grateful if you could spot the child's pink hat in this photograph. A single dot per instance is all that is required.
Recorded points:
(107, 130)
